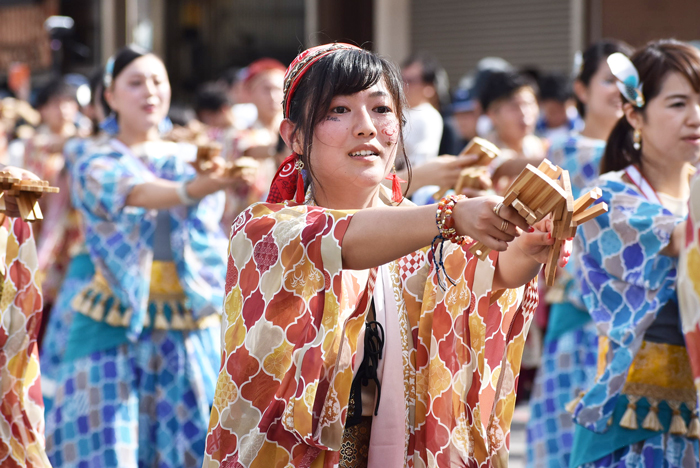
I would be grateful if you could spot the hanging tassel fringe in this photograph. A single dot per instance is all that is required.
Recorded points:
(651, 422)
(396, 181)
(678, 426)
(694, 426)
(571, 406)
(629, 419)
(300, 195)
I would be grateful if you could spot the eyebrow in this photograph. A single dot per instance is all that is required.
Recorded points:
(677, 96)
(378, 93)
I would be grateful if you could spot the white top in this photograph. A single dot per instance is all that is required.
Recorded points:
(677, 206)
(422, 133)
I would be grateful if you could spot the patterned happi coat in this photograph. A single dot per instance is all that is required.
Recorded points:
(625, 282)
(689, 282)
(293, 320)
(120, 238)
(21, 404)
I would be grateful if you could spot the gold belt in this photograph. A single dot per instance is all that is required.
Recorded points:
(166, 298)
(659, 373)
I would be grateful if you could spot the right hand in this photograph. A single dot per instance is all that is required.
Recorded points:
(444, 170)
(474, 217)
(217, 177)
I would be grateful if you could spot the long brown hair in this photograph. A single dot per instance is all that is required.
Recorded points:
(654, 63)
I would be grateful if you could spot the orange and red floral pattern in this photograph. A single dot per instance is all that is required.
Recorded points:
(292, 323)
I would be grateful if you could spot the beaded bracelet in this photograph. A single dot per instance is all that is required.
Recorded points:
(445, 222)
(447, 231)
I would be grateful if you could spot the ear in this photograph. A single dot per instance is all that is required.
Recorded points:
(109, 97)
(429, 91)
(581, 91)
(634, 117)
(287, 131)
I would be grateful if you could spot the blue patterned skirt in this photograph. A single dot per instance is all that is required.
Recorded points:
(143, 404)
(568, 367)
(660, 451)
(80, 272)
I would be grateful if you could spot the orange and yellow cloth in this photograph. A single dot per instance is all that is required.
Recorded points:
(21, 403)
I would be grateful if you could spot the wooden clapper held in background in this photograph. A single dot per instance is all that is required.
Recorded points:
(469, 177)
(206, 153)
(537, 192)
(26, 192)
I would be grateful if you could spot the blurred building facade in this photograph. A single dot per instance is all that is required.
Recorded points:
(198, 39)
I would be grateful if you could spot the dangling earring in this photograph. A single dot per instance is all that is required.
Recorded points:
(396, 195)
(637, 137)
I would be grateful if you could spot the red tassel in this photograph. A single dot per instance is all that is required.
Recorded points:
(396, 194)
(300, 195)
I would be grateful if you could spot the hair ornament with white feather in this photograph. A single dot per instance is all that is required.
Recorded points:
(627, 78)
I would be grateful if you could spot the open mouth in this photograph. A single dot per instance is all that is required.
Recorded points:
(362, 153)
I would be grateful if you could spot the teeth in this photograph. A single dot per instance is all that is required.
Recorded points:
(363, 153)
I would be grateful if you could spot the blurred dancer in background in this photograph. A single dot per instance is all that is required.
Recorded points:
(571, 340)
(138, 373)
(642, 408)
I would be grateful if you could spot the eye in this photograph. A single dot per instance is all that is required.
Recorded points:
(383, 109)
(339, 110)
(678, 104)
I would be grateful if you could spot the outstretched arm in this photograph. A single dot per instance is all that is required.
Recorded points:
(377, 236)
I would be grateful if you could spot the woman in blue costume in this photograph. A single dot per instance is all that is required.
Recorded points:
(571, 342)
(642, 409)
(143, 353)
(80, 269)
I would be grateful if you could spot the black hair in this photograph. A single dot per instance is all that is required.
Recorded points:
(211, 97)
(432, 74)
(503, 85)
(123, 58)
(341, 73)
(653, 63)
(231, 76)
(591, 60)
(555, 87)
(56, 88)
(97, 89)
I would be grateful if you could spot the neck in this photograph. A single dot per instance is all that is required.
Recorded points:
(597, 128)
(667, 177)
(270, 122)
(132, 137)
(66, 129)
(514, 144)
(351, 199)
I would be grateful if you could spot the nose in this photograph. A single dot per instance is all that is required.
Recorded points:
(694, 117)
(151, 87)
(364, 125)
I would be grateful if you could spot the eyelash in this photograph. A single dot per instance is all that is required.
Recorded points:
(384, 109)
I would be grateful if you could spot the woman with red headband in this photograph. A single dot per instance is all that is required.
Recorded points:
(357, 333)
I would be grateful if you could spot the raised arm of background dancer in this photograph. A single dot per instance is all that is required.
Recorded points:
(162, 194)
(443, 171)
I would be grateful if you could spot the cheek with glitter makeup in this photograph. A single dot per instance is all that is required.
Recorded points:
(391, 130)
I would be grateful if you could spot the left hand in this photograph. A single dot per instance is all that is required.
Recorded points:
(11, 208)
(536, 244)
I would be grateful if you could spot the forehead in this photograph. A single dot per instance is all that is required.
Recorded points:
(146, 66)
(377, 90)
(413, 69)
(267, 78)
(676, 83)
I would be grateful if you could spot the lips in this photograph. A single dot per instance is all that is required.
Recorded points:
(363, 153)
